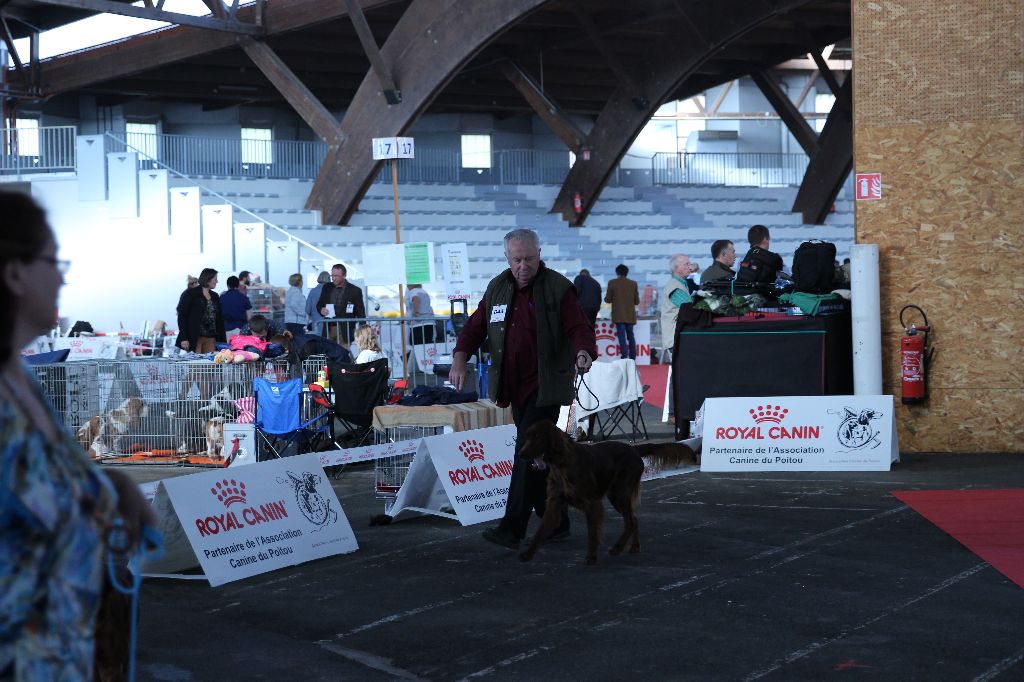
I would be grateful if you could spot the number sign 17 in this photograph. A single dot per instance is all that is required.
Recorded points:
(393, 148)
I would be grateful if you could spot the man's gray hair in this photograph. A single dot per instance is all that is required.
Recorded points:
(676, 260)
(522, 235)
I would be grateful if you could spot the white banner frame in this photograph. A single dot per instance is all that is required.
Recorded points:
(799, 433)
(287, 513)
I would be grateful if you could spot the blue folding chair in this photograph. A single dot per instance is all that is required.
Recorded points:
(279, 426)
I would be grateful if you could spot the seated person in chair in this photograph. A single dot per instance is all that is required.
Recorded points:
(759, 265)
(369, 346)
(724, 254)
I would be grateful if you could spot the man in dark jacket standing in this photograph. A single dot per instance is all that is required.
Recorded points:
(589, 293)
(539, 340)
(347, 300)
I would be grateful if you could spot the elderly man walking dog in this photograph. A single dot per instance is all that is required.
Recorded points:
(539, 340)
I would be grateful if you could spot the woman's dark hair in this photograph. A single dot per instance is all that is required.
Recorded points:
(205, 276)
(621, 270)
(24, 233)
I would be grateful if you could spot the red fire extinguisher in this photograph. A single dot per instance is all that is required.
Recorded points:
(915, 356)
(577, 203)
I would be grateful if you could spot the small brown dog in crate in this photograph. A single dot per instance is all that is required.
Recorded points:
(101, 435)
(583, 475)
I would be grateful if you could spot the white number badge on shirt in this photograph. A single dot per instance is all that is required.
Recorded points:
(350, 308)
(498, 313)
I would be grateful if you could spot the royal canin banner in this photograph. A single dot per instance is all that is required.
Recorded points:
(88, 348)
(250, 520)
(799, 433)
(473, 468)
(367, 453)
(608, 341)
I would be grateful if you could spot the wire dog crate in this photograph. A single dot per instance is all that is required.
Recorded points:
(390, 472)
(153, 410)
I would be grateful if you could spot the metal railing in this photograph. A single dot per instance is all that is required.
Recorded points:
(37, 150)
(191, 155)
(746, 169)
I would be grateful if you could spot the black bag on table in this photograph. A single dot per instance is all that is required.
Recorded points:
(814, 267)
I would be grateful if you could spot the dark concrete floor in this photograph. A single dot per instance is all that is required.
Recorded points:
(742, 577)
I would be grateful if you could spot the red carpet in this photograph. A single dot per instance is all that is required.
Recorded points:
(657, 377)
(990, 523)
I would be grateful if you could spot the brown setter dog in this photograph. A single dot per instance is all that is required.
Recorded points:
(583, 475)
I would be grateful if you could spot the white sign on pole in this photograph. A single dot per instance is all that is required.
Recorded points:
(393, 148)
(799, 433)
(251, 520)
(608, 341)
(455, 270)
(383, 264)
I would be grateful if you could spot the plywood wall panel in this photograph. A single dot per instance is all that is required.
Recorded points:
(939, 112)
(953, 422)
(945, 188)
(932, 61)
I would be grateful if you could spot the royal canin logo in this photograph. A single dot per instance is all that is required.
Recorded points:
(472, 450)
(768, 413)
(479, 468)
(228, 492)
(605, 330)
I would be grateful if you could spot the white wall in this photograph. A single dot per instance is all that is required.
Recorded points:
(122, 270)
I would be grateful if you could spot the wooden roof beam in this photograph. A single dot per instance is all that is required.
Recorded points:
(545, 106)
(160, 48)
(306, 105)
(788, 112)
(109, 7)
(387, 84)
(610, 58)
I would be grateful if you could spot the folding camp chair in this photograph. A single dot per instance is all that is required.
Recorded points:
(357, 390)
(280, 430)
(618, 418)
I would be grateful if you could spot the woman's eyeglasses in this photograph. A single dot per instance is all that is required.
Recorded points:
(62, 265)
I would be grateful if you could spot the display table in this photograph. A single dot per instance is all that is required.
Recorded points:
(752, 357)
(461, 417)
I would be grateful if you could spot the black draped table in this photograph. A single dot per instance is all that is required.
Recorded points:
(762, 356)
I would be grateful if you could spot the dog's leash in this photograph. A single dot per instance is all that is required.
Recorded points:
(580, 381)
(150, 548)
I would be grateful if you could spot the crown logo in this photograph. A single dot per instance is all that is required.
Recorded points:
(768, 413)
(228, 492)
(605, 330)
(472, 450)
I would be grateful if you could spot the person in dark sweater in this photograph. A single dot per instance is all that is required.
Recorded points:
(200, 321)
(589, 293)
(760, 265)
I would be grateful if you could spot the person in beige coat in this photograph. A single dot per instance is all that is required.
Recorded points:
(624, 295)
